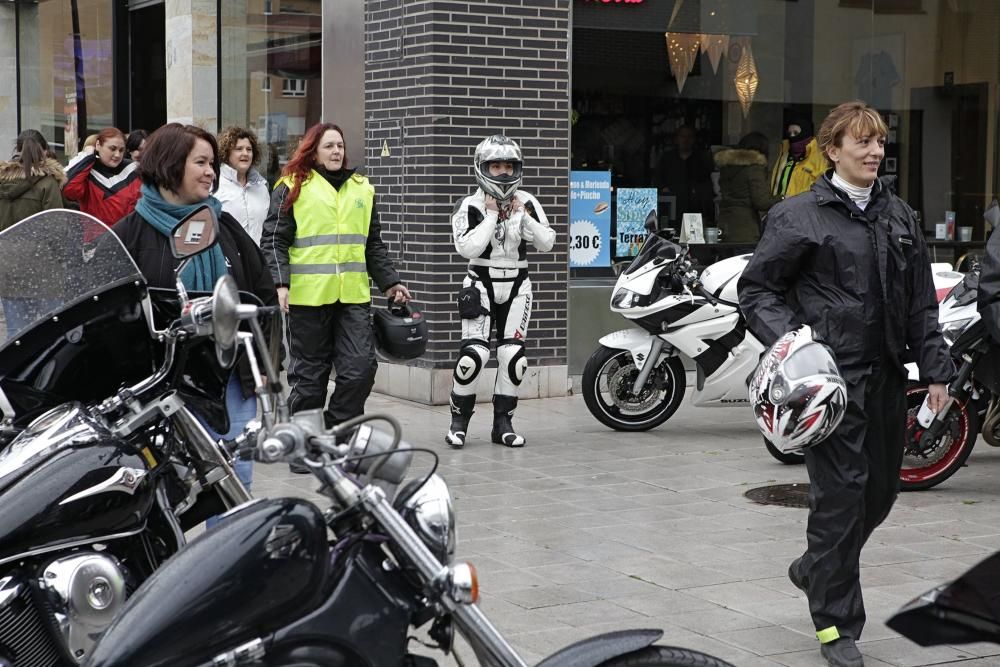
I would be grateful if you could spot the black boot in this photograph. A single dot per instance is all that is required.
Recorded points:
(842, 652)
(503, 429)
(461, 413)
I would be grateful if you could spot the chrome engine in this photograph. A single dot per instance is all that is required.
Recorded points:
(82, 593)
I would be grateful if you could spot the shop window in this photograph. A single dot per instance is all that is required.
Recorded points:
(659, 111)
(293, 88)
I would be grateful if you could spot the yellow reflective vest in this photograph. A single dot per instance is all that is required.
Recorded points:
(327, 260)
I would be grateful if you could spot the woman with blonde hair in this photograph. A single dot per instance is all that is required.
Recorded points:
(848, 259)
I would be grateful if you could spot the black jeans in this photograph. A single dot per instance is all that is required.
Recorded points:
(854, 480)
(321, 338)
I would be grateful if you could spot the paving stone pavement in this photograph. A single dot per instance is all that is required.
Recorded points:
(588, 530)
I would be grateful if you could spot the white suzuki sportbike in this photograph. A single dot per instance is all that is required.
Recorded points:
(635, 380)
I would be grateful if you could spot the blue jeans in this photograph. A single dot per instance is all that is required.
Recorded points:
(241, 411)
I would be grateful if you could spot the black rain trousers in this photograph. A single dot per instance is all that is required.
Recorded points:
(337, 335)
(854, 480)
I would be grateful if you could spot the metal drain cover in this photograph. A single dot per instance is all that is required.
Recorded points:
(783, 495)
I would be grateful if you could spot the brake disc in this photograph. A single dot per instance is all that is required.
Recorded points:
(929, 457)
(620, 387)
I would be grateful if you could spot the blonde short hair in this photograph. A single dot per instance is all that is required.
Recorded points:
(855, 117)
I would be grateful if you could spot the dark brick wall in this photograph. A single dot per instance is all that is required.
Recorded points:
(440, 76)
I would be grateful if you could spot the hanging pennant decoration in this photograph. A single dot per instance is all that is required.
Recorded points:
(682, 50)
(714, 46)
(746, 79)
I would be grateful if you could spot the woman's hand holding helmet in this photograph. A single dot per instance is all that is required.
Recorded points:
(398, 293)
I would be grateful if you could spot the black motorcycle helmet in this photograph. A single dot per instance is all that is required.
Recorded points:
(400, 331)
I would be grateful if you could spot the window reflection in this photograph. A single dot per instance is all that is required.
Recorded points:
(66, 75)
(271, 69)
(657, 87)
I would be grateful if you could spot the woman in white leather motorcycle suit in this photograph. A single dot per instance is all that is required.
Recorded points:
(492, 228)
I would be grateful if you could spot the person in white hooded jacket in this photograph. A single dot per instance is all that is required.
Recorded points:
(492, 228)
(242, 190)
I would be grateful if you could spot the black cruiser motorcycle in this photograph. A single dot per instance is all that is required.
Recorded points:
(278, 582)
(103, 465)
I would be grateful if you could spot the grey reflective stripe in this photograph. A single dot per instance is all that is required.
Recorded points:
(313, 269)
(331, 239)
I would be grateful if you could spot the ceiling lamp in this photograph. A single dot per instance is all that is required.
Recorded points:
(746, 79)
(682, 50)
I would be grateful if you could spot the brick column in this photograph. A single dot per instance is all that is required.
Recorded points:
(439, 77)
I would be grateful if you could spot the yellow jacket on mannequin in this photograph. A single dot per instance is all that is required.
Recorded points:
(804, 173)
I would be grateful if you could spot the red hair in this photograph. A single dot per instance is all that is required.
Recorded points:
(297, 169)
(109, 133)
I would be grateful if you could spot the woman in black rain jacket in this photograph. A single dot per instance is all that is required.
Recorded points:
(849, 259)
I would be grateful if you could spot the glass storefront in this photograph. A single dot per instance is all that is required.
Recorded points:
(65, 67)
(70, 85)
(271, 69)
(661, 89)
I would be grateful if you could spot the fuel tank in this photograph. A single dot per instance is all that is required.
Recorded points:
(263, 565)
(67, 480)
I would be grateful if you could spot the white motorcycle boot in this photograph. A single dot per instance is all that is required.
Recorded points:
(503, 428)
(462, 409)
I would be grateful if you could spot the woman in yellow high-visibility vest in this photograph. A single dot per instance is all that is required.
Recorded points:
(322, 240)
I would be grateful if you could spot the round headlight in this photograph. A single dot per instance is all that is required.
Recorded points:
(429, 512)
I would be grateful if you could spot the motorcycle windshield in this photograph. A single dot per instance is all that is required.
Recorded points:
(53, 260)
(655, 246)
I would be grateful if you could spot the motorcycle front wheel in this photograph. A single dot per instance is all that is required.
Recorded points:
(607, 390)
(665, 656)
(923, 470)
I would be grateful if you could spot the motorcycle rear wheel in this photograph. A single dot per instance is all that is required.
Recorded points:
(665, 656)
(948, 454)
(607, 380)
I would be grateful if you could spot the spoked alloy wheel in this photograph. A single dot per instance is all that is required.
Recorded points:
(607, 390)
(927, 469)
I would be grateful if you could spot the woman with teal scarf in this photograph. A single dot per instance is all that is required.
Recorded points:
(179, 171)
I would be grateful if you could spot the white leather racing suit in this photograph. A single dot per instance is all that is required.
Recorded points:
(495, 243)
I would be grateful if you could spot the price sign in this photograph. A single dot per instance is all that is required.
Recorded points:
(590, 219)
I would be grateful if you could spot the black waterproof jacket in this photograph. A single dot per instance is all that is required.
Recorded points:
(861, 279)
(988, 296)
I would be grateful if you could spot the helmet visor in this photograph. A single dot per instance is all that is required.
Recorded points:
(811, 359)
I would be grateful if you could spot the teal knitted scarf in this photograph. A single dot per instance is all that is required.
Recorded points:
(205, 269)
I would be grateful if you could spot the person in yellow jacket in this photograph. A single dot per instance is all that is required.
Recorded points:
(322, 241)
(800, 162)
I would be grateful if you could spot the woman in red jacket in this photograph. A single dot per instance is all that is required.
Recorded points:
(102, 181)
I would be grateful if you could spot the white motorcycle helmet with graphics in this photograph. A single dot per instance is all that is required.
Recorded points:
(498, 148)
(797, 393)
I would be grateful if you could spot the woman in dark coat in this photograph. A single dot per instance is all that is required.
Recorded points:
(745, 192)
(848, 258)
(179, 171)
